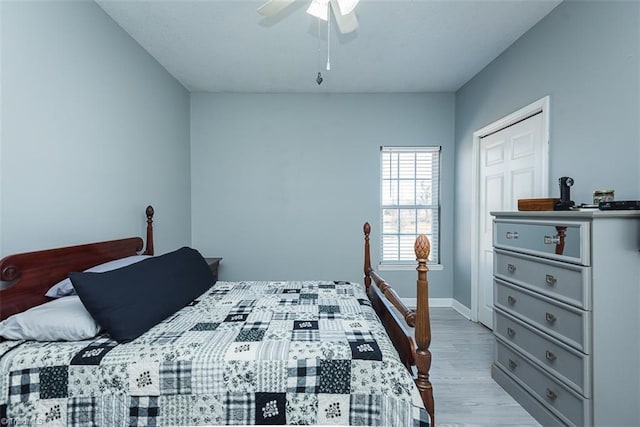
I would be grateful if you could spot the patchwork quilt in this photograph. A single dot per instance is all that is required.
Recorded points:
(242, 353)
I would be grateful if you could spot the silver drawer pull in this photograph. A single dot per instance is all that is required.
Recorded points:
(511, 332)
(550, 356)
(550, 317)
(551, 240)
(511, 300)
(512, 364)
(511, 268)
(550, 280)
(551, 395)
(512, 235)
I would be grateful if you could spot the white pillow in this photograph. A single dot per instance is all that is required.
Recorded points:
(65, 287)
(63, 319)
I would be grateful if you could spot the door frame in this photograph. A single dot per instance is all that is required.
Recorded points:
(539, 106)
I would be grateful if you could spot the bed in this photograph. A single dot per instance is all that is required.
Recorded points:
(235, 353)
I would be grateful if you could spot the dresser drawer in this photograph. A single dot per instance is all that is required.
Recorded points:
(562, 321)
(566, 282)
(565, 241)
(562, 361)
(562, 401)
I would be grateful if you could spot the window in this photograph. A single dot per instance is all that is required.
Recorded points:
(410, 202)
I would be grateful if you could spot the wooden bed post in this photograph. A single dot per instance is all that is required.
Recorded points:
(149, 249)
(422, 249)
(367, 256)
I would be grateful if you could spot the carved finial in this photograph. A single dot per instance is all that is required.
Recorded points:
(422, 247)
(366, 228)
(149, 212)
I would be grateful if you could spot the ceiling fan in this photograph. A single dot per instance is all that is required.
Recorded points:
(343, 11)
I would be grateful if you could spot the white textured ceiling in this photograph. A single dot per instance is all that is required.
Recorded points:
(400, 46)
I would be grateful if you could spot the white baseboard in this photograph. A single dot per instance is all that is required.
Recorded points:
(462, 309)
(441, 302)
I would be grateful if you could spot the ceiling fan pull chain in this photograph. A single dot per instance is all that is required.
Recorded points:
(319, 78)
(329, 39)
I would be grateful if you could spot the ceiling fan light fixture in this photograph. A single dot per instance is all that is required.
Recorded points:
(319, 9)
(343, 11)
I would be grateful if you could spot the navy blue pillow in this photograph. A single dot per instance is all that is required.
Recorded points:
(130, 300)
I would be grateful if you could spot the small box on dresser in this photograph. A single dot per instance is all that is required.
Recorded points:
(566, 314)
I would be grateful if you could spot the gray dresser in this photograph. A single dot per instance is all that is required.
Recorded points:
(567, 315)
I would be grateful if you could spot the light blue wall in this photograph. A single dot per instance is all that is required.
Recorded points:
(93, 130)
(585, 56)
(282, 184)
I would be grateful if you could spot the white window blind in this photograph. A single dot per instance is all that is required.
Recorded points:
(410, 202)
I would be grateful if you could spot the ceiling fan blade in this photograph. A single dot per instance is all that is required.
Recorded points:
(272, 7)
(319, 9)
(347, 6)
(346, 23)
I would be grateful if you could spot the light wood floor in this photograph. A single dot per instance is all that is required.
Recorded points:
(464, 393)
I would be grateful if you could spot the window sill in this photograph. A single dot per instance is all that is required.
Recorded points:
(406, 267)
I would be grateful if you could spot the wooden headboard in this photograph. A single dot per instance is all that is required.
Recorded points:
(26, 277)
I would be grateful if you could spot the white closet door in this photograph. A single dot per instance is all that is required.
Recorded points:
(511, 164)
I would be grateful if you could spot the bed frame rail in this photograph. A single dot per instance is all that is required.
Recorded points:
(396, 317)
